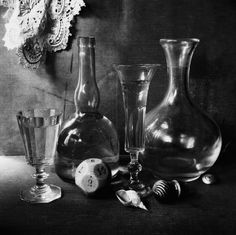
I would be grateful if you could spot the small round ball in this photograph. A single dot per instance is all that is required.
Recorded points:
(91, 175)
(208, 179)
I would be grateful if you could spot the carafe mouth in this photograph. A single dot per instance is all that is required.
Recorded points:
(179, 51)
(179, 40)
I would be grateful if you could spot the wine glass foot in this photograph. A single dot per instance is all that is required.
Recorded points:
(141, 189)
(35, 195)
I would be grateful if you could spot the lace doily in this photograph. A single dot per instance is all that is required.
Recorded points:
(36, 26)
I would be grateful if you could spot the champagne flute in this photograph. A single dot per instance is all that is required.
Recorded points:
(135, 80)
(39, 130)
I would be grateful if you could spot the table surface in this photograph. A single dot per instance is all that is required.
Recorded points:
(208, 209)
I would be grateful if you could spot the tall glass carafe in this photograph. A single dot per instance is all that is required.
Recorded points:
(88, 133)
(181, 142)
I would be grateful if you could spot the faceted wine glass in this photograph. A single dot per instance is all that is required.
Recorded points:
(135, 80)
(39, 130)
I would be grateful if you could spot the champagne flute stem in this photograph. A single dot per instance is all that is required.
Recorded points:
(134, 168)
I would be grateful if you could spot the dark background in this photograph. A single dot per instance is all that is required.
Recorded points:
(128, 31)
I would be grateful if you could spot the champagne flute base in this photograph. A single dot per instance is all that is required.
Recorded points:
(141, 189)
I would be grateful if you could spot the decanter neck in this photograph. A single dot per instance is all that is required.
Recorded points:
(178, 83)
(86, 95)
(178, 53)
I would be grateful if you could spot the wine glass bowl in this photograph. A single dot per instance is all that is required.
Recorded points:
(39, 131)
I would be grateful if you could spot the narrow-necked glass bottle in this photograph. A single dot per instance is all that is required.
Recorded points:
(88, 133)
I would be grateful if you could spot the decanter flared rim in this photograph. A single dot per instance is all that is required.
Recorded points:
(179, 40)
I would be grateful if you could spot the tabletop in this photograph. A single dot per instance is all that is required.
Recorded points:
(207, 209)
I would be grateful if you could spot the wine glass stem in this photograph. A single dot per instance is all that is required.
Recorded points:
(40, 176)
(134, 168)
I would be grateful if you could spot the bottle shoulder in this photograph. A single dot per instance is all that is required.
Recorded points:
(94, 124)
(87, 119)
(88, 133)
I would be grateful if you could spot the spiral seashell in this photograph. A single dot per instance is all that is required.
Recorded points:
(161, 188)
(166, 190)
(208, 179)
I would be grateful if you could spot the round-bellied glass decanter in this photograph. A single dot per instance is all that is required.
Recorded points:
(181, 141)
(88, 133)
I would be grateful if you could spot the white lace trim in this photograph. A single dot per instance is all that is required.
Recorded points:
(62, 11)
(37, 26)
(8, 3)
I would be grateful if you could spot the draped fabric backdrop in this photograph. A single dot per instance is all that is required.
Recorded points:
(128, 31)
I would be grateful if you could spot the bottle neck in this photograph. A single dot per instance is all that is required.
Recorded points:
(178, 83)
(86, 95)
(178, 53)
